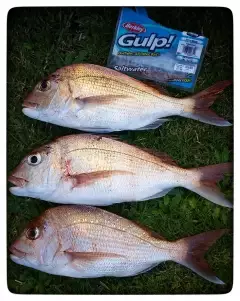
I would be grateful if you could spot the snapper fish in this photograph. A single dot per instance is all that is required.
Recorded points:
(87, 242)
(96, 170)
(92, 98)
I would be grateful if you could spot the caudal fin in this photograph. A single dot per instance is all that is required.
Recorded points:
(197, 107)
(204, 182)
(191, 253)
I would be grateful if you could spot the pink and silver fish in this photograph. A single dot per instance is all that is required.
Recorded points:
(97, 99)
(96, 170)
(88, 242)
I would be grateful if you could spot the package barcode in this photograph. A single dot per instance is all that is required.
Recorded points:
(185, 68)
(189, 50)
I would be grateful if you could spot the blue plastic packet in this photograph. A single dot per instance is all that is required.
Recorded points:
(145, 49)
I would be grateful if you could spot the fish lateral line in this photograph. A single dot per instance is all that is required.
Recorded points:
(129, 155)
(142, 91)
(125, 231)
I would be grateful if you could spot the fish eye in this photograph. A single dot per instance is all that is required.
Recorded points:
(44, 85)
(34, 159)
(33, 233)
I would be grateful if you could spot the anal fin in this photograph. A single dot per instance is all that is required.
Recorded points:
(158, 195)
(157, 123)
(146, 269)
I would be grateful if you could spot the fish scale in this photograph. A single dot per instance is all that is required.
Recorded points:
(87, 71)
(83, 224)
(108, 86)
(109, 160)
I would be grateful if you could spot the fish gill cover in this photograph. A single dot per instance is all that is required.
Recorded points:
(147, 50)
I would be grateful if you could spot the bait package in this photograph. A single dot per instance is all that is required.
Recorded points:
(145, 49)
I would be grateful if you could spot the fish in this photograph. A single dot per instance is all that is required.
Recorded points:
(88, 242)
(98, 170)
(97, 99)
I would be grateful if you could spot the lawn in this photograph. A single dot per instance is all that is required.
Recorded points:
(43, 39)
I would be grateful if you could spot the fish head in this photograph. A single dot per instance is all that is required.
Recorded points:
(37, 244)
(38, 173)
(47, 97)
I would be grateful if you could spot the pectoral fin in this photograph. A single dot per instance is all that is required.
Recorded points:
(91, 256)
(86, 179)
(100, 100)
(79, 260)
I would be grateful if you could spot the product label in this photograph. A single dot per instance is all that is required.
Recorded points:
(144, 49)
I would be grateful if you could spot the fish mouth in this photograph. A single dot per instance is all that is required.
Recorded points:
(16, 252)
(29, 104)
(19, 182)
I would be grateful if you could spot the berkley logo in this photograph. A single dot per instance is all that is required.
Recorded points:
(134, 27)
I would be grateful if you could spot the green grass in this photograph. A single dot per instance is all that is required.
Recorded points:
(43, 39)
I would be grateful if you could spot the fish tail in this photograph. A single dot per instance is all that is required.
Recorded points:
(191, 250)
(197, 107)
(204, 182)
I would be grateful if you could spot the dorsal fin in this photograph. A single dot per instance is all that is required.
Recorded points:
(149, 231)
(109, 136)
(156, 87)
(163, 156)
(158, 236)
